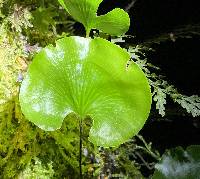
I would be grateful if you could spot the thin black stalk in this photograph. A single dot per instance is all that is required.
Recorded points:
(130, 5)
(80, 148)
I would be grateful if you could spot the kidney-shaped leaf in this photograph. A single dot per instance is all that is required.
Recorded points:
(87, 77)
(179, 164)
(116, 22)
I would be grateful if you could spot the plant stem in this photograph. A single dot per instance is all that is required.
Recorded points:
(88, 33)
(148, 149)
(80, 147)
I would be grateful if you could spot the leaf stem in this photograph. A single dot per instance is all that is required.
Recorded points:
(80, 147)
(88, 33)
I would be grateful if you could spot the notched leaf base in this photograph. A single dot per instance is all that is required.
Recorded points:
(87, 77)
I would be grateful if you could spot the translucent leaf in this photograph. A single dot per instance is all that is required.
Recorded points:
(116, 22)
(88, 77)
(179, 164)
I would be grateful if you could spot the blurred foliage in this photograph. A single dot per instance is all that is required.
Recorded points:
(179, 164)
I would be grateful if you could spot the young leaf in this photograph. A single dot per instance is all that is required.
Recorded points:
(87, 77)
(116, 22)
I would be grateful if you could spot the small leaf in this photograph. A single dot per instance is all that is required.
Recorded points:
(179, 164)
(116, 22)
(89, 78)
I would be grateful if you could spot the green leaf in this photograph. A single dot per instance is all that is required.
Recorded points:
(116, 22)
(179, 164)
(88, 77)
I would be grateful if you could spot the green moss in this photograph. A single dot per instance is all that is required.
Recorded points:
(21, 142)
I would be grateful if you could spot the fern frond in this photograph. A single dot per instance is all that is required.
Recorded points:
(161, 88)
(190, 103)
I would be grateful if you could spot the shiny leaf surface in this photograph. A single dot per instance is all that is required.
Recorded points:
(116, 22)
(179, 164)
(87, 77)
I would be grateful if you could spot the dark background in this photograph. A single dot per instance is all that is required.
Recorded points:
(150, 17)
